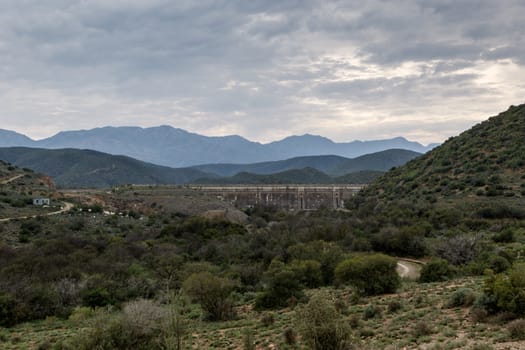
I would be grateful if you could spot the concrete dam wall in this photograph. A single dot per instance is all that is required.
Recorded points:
(289, 197)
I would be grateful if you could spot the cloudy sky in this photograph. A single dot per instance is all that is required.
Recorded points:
(423, 69)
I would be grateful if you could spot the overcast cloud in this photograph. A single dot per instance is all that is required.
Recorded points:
(423, 69)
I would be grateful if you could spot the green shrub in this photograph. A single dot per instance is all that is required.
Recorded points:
(422, 328)
(505, 291)
(248, 340)
(327, 254)
(371, 311)
(462, 297)
(281, 284)
(321, 326)
(138, 327)
(505, 236)
(370, 274)
(290, 337)
(437, 270)
(7, 310)
(97, 296)
(499, 264)
(267, 319)
(394, 306)
(308, 272)
(212, 293)
(516, 329)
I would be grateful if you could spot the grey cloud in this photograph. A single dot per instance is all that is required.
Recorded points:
(249, 65)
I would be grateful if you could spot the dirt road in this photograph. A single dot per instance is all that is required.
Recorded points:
(67, 207)
(5, 182)
(409, 269)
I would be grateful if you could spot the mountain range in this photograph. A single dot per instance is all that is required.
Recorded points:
(86, 168)
(330, 165)
(173, 147)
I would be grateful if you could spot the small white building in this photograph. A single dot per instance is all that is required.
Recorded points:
(40, 201)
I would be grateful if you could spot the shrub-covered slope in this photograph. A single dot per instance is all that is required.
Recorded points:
(483, 167)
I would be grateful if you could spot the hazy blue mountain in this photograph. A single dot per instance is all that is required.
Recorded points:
(10, 138)
(294, 146)
(331, 165)
(161, 145)
(165, 145)
(92, 169)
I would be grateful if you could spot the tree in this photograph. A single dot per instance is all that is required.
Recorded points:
(212, 293)
(370, 274)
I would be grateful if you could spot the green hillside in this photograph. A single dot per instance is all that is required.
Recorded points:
(18, 187)
(295, 176)
(92, 169)
(379, 161)
(479, 174)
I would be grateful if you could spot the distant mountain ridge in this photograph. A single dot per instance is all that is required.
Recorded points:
(294, 176)
(169, 146)
(86, 168)
(330, 164)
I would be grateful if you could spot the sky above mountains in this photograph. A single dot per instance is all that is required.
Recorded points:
(424, 69)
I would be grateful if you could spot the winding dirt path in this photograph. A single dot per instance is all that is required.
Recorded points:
(67, 207)
(5, 182)
(409, 268)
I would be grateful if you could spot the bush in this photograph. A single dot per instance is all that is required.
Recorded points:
(139, 327)
(463, 297)
(281, 285)
(460, 249)
(394, 306)
(267, 319)
(212, 293)
(308, 272)
(371, 311)
(370, 274)
(499, 264)
(505, 236)
(422, 328)
(289, 337)
(96, 296)
(321, 326)
(248, 340)
(327, 254)
(505, 291)
(7, 310)
(437, 270)
(516, 329)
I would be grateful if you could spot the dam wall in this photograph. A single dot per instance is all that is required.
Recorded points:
(288, 197)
